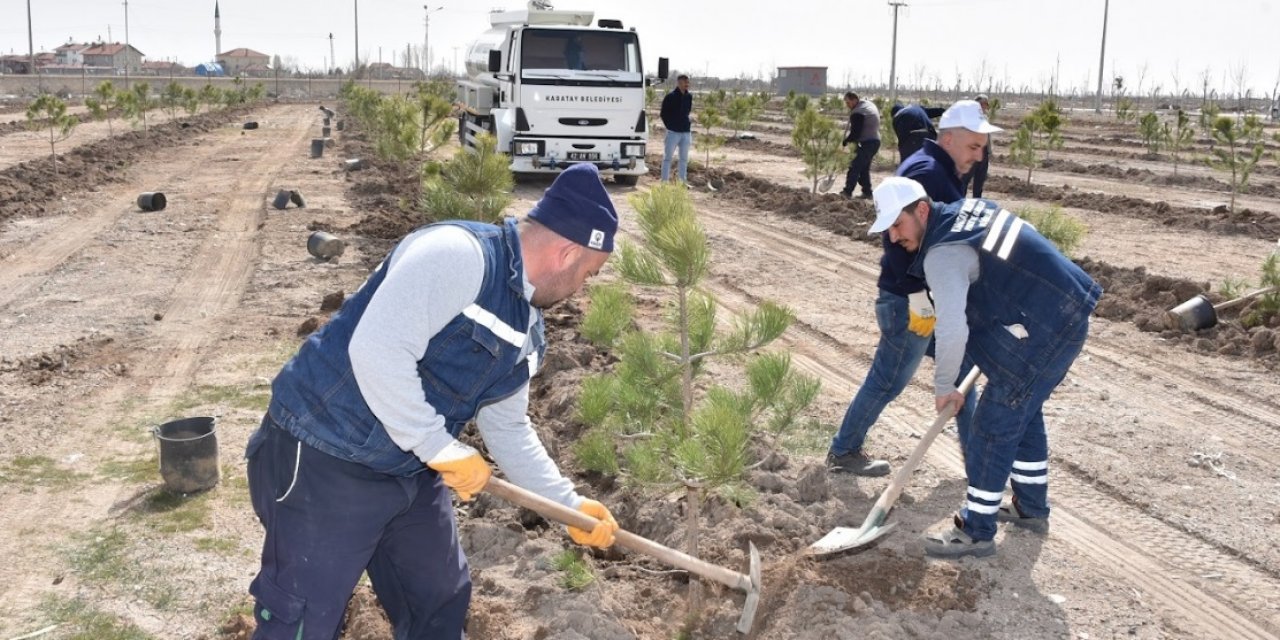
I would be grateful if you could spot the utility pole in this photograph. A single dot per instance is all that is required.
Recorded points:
(333, 62)
(31, 47)
(126, 43)
(1102, 56)
(355, 71)
(426, 40)
(893, 57)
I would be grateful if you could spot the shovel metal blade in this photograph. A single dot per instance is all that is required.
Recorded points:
(753, 594)
(845, 538)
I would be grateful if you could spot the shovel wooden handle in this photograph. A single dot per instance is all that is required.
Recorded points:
(1248, 296)
(625, 539)
(899, 483)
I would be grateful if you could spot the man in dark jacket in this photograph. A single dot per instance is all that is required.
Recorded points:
(676, 107)
(904, 313)
(864, 132)
(1011, 302)
(912, 125)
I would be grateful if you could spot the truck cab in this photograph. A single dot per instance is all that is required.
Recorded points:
(556, 90)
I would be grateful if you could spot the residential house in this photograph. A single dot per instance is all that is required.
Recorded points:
(244, 61)
(113, 55)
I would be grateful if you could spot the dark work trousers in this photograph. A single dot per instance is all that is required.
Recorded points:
(978, 174)
(327, 520)
(860, 168)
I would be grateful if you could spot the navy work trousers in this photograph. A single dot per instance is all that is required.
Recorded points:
(859, 174)
(327, 521)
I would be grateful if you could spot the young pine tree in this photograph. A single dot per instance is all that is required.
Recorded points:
(819, 141)
(647, 422)
(1178, 137)
(49, 113)
(1022, 151)
(475, 185)
(1238, 150)
(102, 103)
(1151, 132)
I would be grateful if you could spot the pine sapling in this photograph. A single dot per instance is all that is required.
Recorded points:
(1179, 137)
(102, 103)
(1022, 151)
(1151, 132)
(818, 140)
(49, 113)
(1238, 151)
(476, 184)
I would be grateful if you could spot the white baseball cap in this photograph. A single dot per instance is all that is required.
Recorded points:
(967, 114)
(891, 197)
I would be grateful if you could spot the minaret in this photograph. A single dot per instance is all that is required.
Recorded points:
(217, 29)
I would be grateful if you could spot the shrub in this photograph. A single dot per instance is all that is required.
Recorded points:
(1059, 228)
(475, 185)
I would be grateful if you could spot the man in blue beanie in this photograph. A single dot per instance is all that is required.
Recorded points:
(348, 472)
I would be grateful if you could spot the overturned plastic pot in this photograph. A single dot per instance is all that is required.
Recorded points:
(341, 125)
(188, 454)
(324, 131)
(317, 147)
(283, 197)
(354, 164)
(325, 245)
(251, 125)
(295, 197)
(152, 201)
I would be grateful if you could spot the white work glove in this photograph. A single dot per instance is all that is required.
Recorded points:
(920, 314)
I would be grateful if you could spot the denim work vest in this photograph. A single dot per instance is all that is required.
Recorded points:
(1023, 281)
(473, 361)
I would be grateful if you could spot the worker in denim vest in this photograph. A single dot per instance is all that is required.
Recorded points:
(348, 472)
(1009, 300)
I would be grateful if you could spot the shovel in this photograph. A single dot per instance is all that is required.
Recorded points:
(1198, 313)
(750, 584)
(873, 528)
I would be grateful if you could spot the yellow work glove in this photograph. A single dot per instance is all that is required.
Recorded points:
(602, 535)
(920, 318)
(462, 469)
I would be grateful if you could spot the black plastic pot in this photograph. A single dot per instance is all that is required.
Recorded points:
(251, 125)
(152, 201)
(188, 454)
(317, 147)
(324, 245)
(282, 199)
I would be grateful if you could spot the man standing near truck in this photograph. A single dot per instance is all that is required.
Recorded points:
(676, 109)
(1010, 301)
(351, 469)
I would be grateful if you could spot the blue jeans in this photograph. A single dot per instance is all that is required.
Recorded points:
(897, 356)
(327, 520)
(1007, 441)
(681, 139)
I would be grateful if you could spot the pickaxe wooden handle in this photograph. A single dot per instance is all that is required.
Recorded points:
(627, 540)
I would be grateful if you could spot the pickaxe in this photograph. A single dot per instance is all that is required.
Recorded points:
(750, 584)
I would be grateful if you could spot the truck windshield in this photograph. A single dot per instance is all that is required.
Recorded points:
(559, 50)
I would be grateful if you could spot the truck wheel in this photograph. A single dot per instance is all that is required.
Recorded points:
(626, 181)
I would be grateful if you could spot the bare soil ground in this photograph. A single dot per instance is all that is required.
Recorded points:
(1166, 456)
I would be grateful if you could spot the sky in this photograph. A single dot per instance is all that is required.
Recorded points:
(1017, 42)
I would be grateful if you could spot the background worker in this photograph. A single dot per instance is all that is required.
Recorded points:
(864, 132)
(348, 471)
(1010, 301)
(978, 175)
(912, 125)
(676, 108)
(904, 313)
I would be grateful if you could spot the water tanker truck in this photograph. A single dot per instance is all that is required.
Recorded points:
(556, 90)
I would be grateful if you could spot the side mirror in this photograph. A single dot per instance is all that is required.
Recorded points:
(495, 60)
(663, 69)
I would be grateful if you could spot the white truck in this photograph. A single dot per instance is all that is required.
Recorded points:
(555, 90)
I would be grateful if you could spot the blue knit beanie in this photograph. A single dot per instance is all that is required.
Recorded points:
(577, 207)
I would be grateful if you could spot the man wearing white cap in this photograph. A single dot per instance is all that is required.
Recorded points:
(903, 310)
(351, 469)
(1010, 301)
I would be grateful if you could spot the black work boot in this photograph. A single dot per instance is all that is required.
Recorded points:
(856, 463)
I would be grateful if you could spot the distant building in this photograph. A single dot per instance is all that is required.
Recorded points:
(238, 61)
(810, 80)
(163, 68)
(15, 64)
(114, 55)
(71, 54)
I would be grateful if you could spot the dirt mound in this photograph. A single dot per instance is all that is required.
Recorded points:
(1262, 225)
(34, 189)
(763, 146)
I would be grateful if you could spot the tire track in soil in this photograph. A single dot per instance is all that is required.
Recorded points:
(1176, 576)
(210, 288)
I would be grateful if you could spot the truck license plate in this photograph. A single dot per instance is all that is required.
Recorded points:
(584, 155)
